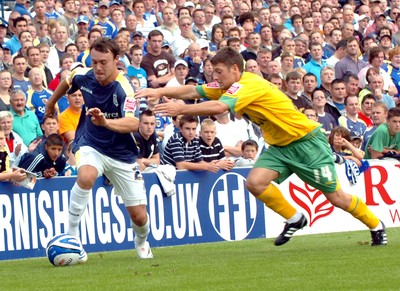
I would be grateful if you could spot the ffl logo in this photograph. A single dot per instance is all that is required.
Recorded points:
(232, 209)
(312, 200)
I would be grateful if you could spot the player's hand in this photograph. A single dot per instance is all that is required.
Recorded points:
(98, 117)
(49, 173)
(168, 109)
(152, 95)
(19, 175)
(50, 110)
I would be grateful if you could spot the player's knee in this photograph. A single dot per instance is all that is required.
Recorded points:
(86, 180)
(255, 186)
(138, 215)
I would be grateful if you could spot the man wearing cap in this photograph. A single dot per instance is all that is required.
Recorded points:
(169, 28)
(109, 28)
(83, 24)
(181, 72)
(138, 39)
(157, 63)
(380, 21)
(363, 23)
(385, 42)
(3, 31)
(68, 19)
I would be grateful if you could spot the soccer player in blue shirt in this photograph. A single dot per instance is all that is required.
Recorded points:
(104, 143)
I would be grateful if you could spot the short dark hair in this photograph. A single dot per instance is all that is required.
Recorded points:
(393, 112)
(229, 57)
(188, 119)
(19, 19)
(154, 32)
(54, 139)
(249, 142)
(310, 75)
(146, 112)
(105, 45)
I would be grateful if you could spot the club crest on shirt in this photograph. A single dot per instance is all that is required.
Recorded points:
(212, 85)
(234, 88)
(115, 100)
(130, 104)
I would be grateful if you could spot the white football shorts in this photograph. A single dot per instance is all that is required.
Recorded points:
(127, 182)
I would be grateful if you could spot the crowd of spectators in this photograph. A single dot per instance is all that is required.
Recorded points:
(338, 61)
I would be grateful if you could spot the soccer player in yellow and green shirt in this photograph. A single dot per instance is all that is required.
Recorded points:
(290, 134)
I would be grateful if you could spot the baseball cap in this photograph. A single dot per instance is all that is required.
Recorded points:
(181, 62)
(114, 2)
(385, 35)
(362, 17)
(355, 136)
(163, 1)
(190, 79)
(165, 44)
(202, 43)
(3, 22)
(104, 3)
(6, 47)
(83, 18)
(189, 4)
(380, 15)
(137, 33)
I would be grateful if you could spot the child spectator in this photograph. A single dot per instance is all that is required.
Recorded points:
(342, 148)
(183, 148)
(70, 167)
(211, 147)
(249, 153)
(48, 163)
(5, 173)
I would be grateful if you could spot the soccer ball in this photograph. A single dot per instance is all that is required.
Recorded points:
(63, 250)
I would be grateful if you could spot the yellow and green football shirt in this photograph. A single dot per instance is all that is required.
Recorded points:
(264, 104)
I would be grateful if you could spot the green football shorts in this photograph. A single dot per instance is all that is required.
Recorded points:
(309, 157)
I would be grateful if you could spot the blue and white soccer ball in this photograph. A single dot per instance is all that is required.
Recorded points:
(63, 250)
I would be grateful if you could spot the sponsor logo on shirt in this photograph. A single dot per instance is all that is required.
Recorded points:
(83, 88)
(234, 88)
(130, 104)
(212, 85)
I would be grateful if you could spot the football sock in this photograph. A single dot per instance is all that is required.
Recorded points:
(141, 232)
(273, 198)
(360, 211)
(77, 206)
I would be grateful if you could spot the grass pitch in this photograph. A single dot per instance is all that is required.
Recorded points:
(336, 261)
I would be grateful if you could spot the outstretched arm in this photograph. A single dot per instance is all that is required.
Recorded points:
(201, 109)
(57, 94)
(186, 92)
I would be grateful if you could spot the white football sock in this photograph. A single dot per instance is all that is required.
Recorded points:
(294, 218)
(141, 232)
(77, 206)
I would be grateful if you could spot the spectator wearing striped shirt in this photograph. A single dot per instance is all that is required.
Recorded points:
(211, 147)
(183, 148)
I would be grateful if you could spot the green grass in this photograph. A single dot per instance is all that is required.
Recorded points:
(338, 261)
